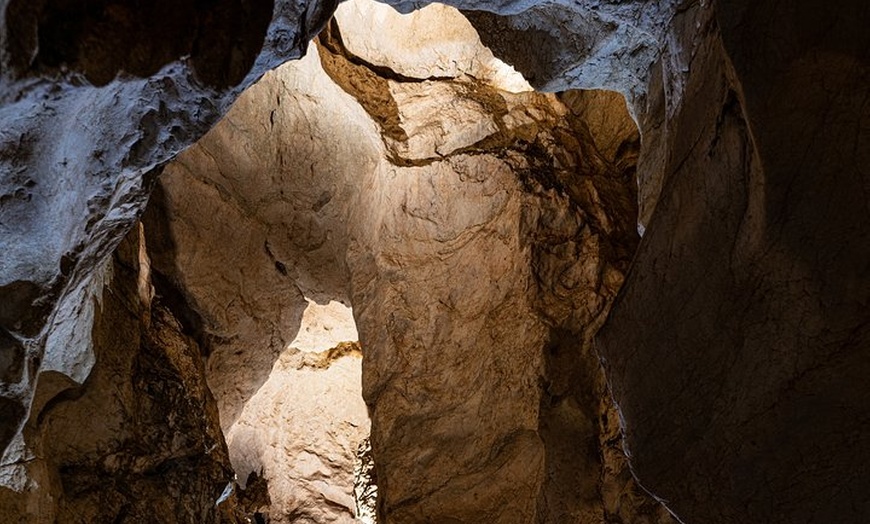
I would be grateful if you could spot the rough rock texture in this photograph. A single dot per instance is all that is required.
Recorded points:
(485, 236)
(139, 440)
(738, 351)
(563, 45)
(93, 99)
(247, 229)
(735, 351)
(301, 432)
(435, 42)
(497, 239)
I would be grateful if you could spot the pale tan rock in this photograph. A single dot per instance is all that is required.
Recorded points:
(437, 120)
(264, 184)
(474, 242)
(450, 434)
(300, 432)
(436, 41)
(324, 326)
(273, 181)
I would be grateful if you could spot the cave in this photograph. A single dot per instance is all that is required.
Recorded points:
(406, 262)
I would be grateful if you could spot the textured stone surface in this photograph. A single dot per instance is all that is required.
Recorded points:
(435, 42)
(264, 183)
(481, 252)
(92, 101)
(273, 181)
(738, 350)
(464, 253)
(139, 440)
(592, 44)
(735, 349)
(301, 432)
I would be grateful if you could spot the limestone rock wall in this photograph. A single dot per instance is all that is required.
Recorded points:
(480, 234)
(93, 101)
(738, 349)
(735, 350)
(247, 227)
(139, 440)
(301, 433)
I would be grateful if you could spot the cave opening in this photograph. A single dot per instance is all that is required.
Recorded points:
(411, 173)
(404, 195)
(481, 232)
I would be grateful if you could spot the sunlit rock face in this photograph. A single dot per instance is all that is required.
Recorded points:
(480, 232)
(435, 42)
(562, 45)
(301, 432)
(249, 233)
(93, 100)
(735, 350)
(458, 243)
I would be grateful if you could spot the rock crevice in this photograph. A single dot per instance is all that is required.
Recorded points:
(405, 187)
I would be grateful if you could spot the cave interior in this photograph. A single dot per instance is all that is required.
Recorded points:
(310, 261)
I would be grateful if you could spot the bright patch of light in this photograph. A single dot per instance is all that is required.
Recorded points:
(324, 326)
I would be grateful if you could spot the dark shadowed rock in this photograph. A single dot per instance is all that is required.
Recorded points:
(738, 349)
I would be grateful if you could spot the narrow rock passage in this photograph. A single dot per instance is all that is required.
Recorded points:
(480, 230)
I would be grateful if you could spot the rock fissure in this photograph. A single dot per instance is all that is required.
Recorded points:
(481, 232)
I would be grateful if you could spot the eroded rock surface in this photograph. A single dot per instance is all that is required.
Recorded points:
(301, 433)
(93, 100)
(248, 229)
(481, 236)
(139, 440)
(738, 349)
(735, 350)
